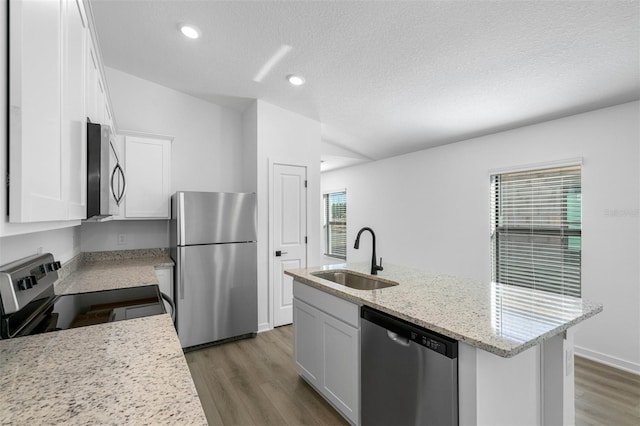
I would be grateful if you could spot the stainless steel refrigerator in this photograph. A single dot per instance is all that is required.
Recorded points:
(213, 244)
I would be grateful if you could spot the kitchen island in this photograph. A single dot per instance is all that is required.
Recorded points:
(125, 372)
(515, 359)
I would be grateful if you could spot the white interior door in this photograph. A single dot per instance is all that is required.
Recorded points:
(289, 232)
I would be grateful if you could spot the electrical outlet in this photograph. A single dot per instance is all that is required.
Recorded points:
(122, 239)
(39, 250)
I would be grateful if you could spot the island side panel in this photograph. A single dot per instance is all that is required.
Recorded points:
(558, 381)
(499, 391)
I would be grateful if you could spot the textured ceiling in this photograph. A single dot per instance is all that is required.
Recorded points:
(386, 78)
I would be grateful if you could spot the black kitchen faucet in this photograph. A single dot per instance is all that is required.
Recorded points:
(374, 267)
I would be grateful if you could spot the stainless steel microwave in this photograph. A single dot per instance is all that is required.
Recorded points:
(106, 179)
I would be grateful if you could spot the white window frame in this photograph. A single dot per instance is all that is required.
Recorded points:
(325, 225)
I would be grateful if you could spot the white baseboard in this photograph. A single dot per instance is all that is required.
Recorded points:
(265, 326)
(609, 360)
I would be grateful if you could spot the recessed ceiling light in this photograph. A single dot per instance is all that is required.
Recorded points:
(296, 80)
(189, 31)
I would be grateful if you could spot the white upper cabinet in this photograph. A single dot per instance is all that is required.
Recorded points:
(55, 83)
(148, 174)
(91, 82)
(35, 102)
(47, 148)
(73, 114)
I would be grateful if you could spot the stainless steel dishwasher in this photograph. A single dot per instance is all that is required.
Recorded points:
(409, 375)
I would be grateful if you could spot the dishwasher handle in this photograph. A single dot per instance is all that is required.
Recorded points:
(402, 341)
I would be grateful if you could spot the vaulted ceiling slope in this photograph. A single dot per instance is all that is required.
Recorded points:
(386, 77)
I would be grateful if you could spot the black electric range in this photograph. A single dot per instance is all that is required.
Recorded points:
(29, 305)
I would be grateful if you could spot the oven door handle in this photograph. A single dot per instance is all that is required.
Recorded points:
(172, 304)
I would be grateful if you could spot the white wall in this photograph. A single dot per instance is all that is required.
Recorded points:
(282, 137)
(63, 243)
(139, 234)
(206, 152)
(430, 210)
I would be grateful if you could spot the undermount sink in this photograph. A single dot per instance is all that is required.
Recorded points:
(355, 281)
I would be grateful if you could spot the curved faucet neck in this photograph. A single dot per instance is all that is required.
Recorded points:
(373, 235)
(374, 267)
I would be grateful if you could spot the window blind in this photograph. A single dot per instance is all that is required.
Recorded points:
(335, 224)
(536, 229)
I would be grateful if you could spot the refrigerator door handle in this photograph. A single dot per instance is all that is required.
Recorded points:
(182, 226)
(181, 286)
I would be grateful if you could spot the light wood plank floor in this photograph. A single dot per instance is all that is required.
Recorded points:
(254, 382)
(605, 395)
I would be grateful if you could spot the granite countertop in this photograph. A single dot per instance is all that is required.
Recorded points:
(127, 372)
(501, 319)
(110, 270)
(124, 372)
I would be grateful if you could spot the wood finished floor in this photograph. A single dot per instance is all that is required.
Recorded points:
(605, 395)
(254, 382)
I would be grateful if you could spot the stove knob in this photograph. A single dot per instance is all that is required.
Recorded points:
(27, 282)
(53, 266)
(22, 284)
(42, 268)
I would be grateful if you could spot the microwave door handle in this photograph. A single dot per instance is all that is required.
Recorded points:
(120, 196)
(124, 184)
(113, 190)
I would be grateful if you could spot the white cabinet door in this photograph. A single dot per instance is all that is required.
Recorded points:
(327, 347)
(341, 366)
(91, 82)
(101, 100)
(165, 283)
(307, 341)
(47, 110)
(148, 170)
(36, 154)
(74, 174)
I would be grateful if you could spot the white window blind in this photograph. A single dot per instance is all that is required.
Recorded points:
(335, 224)
(536, 224)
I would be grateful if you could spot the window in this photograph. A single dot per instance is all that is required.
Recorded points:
(536, 227)
(335, 224)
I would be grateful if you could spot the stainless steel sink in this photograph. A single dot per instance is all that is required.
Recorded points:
(355, 281)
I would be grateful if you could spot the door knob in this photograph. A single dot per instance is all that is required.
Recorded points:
(280, 253)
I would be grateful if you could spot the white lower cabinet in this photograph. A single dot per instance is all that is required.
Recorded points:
(327, 347)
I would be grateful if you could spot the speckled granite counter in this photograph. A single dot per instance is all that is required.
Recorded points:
(501, 319)
(112, 270)
(127, 372)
